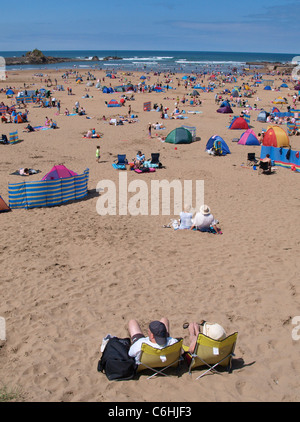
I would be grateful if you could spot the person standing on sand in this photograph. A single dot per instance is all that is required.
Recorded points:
(149, 130)
(98, 154)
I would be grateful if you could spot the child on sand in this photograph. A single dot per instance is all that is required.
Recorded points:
(98, 154)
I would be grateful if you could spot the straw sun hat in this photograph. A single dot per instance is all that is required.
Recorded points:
(214, 331)
(204, 209)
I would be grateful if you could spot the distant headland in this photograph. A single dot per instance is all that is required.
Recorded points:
(37, 57)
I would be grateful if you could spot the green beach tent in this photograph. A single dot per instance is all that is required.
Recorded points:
(180, 135)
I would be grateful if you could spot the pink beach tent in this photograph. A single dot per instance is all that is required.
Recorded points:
(59, 172)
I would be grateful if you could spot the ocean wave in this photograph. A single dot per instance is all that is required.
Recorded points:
(144, 63)
(210, 62)
(158, 58)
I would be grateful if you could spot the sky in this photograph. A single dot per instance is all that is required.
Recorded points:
(178, 25)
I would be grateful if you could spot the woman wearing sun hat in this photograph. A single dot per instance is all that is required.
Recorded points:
(203, 220)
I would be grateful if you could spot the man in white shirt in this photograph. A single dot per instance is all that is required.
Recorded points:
(203, 220)
(158, 336)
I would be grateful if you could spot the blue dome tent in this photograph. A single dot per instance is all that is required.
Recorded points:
(217, 139)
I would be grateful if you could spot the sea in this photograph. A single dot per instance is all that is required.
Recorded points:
(160, 61)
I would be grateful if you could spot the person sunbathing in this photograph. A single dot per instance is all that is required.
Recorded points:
(139, 160)
(158, 336)
(24, 172)
(29, 128)
(268, 160)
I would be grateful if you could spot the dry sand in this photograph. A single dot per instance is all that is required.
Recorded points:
(70, 276)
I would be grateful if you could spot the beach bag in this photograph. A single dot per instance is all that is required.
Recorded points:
(115, 361)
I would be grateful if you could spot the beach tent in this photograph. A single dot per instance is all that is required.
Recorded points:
(283, 86)
(143, 77)
(226, 109)
(9, 92)
(113, 103)
(235, 93)
(275, 110)
(59, 172)
(248, 138)
(195, 93)
(98, 85)
(275, 136)
(280, 100)
(262, 116)
(107, 90)
(217, 139)
(119, 88)
(3, 206)
(238, 123)
(179, 135)
(268, 88)
(225, 103)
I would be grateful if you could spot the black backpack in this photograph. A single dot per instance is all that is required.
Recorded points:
(115, 361)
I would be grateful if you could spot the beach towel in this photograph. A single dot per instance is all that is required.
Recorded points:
(144, 170)
(42, 127)
(119, 166)
(150, 165)
(30, 172)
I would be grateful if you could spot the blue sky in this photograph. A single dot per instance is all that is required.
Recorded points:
(188, 25)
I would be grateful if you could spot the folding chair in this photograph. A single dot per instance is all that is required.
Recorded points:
(121, 162)
(251, 158)
(155, 159)
(158, 360)
(212, 353)
(264, 167)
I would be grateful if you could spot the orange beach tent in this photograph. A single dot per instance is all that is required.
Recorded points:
(275, 136)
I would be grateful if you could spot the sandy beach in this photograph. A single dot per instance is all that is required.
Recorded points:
(70, 276)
